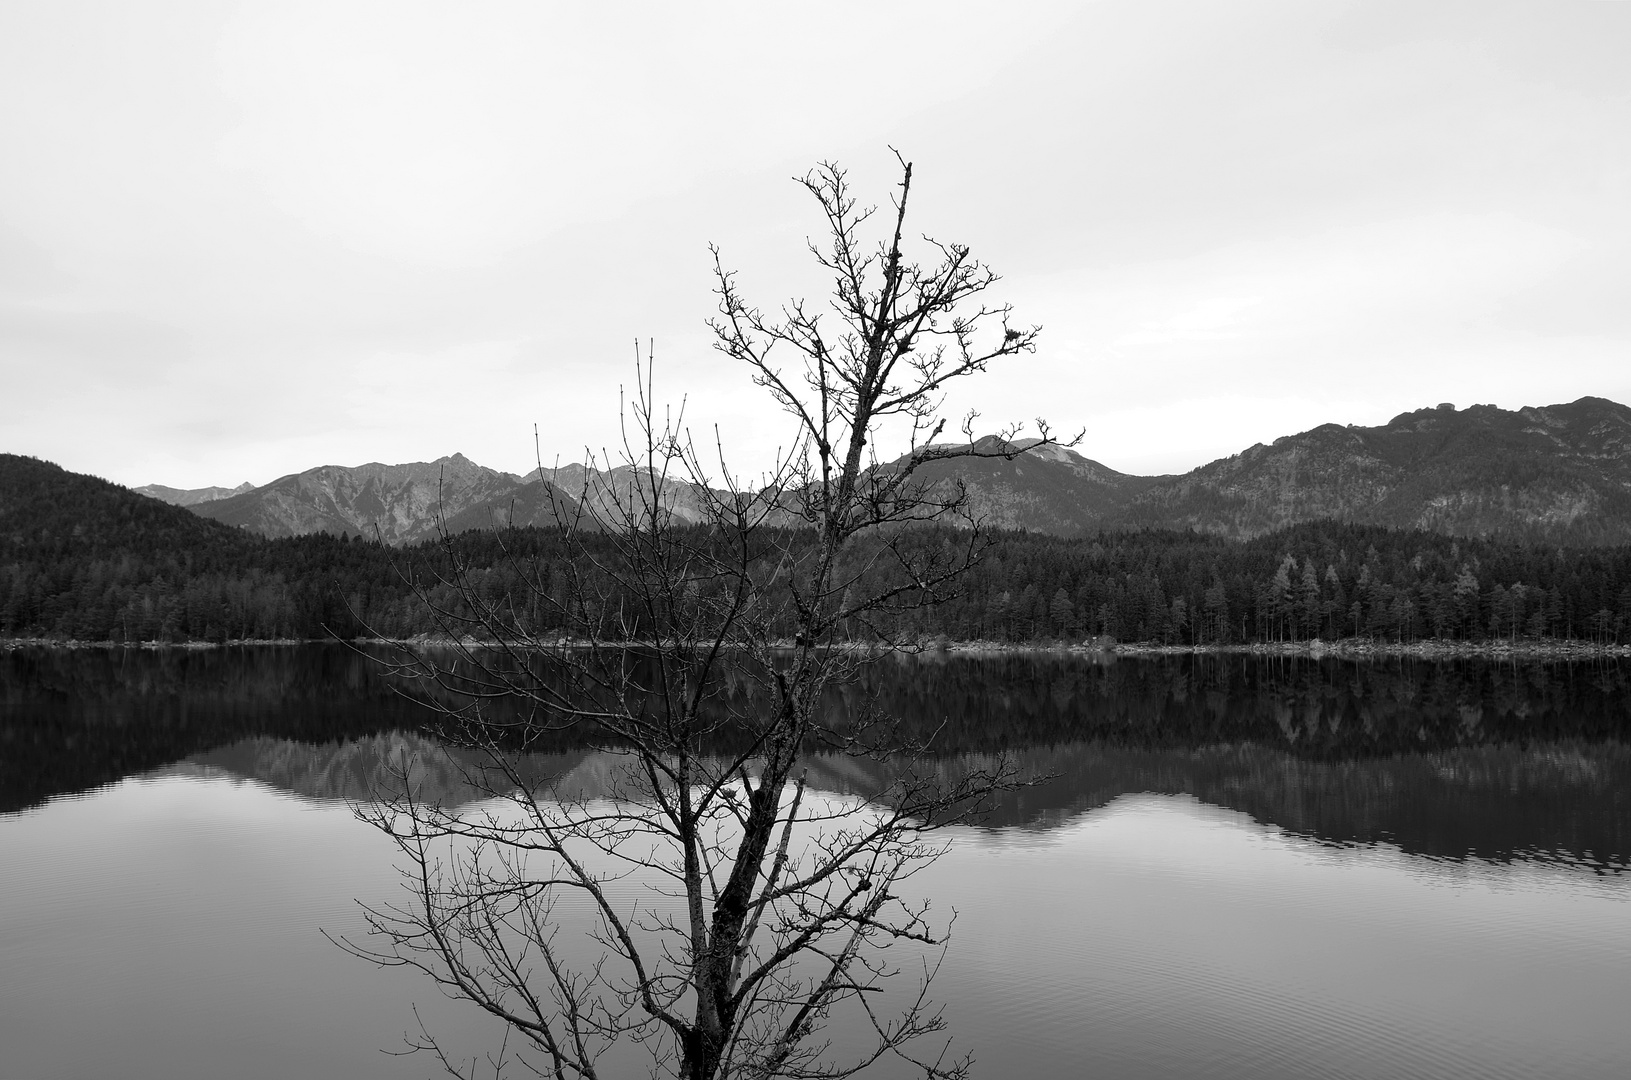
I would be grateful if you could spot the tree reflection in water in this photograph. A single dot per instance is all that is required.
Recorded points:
(1455, 759)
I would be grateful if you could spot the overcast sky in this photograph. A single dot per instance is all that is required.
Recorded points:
(238, 240)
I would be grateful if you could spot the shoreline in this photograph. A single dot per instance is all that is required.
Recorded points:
(1342, 649)
(1315, 649)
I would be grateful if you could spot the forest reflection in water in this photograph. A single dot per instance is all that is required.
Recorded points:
(1237, 867)
(1450, 759)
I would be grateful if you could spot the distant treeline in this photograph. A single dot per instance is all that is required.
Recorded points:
(164, 580)
(1319, 580)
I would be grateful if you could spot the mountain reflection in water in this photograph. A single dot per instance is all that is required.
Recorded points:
(1461, 759)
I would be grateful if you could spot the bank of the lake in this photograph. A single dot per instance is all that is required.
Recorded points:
(11, 643)
(1520, 650)
(1367, 648)
(1541, 650)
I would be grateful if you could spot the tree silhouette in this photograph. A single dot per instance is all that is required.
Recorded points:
(737, 911)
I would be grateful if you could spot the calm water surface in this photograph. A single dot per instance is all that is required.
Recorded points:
(1240, 869)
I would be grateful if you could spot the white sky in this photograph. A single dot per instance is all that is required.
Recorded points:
(239, 240)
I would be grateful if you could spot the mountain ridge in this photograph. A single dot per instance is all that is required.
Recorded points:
(90, 561)
(404, 503)
(1555, 473)
(191, 496)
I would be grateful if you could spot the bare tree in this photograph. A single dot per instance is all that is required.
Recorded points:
(745, 924)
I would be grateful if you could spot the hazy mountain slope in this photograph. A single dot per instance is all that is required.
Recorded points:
(1560, 473)
(535, 503)
(401, 501)
(607, 493)
(190, 496)
(1052, 490)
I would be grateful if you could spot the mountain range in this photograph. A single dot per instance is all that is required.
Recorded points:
(1556, 473)
(403, 502)
(191, 496)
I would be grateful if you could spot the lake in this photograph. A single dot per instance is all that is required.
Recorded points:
(1241, 867)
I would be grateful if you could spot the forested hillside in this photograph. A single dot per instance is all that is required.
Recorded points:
(1324, 580)
(84, 559)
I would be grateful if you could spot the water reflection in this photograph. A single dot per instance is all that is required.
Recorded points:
(1553, 802)
(1274, 870)
(1162, 937)
(74, 720)
(1452, 760)
(167, 927)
